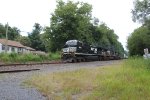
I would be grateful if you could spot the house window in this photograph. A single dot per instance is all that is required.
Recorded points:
(19, 49)
(7, 48)
(3, 47)
(12, 49)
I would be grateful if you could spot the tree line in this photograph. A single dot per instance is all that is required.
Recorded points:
(70, 20)
(140, 38)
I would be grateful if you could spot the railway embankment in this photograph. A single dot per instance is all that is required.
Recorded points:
(11, 84)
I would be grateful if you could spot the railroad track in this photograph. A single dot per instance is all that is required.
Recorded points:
(20, 67)
(20, 64)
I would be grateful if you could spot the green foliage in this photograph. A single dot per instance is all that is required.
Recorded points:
(31, 57)
(35, 38)
(13, 32)
(69, 21)
(105, 37)
(25, 58)
(24, 40)
(141, 10)
(138, 62)
(138, 41)
(72, 20)
(14, 57)
(2, 31)
(54, 56)
(45, 40)
(4, 57)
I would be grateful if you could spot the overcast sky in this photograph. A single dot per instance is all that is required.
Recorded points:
(24, 13)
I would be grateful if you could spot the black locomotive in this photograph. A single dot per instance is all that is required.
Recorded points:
(77, 51)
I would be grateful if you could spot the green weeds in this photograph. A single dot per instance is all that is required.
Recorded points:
(127, 81)
(24, 58)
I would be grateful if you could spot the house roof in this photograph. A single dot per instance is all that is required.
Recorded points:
(29, 48)
(15, 44)
(11, 43)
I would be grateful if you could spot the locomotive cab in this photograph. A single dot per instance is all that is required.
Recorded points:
(76, 46)
(75, 50)
(72, 46)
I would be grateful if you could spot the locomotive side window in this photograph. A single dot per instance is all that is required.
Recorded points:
(80, 44)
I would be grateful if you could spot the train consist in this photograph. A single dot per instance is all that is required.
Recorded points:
(77, 51)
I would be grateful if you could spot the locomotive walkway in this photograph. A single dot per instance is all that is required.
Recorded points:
(11, 87)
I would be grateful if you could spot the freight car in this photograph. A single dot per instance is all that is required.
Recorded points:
(77, 51)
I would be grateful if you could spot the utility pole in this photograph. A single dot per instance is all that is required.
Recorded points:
(6, 38)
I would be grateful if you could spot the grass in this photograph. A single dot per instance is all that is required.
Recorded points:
(127, 81)
(54, 56)
(24, 58)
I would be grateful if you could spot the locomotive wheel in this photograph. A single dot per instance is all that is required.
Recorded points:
(74, 60)
(100, 58)
(83, 60)
(79, 60)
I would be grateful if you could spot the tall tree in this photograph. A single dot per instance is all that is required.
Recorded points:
(139, 40)
(46, 40)
(141, 11)
(70, 21)
(35, 39)
(13, 32)
(73, 21)
(2, 31)
(105, 37)
(24, 40)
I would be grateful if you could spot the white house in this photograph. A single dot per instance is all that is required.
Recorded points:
(14, 47)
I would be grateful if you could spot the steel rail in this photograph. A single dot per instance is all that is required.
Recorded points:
(20, 64)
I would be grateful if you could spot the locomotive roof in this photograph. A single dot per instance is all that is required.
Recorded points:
(73, 41)
(94, 46)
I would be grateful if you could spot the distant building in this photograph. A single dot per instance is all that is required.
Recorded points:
(14, 47)
(147, 54)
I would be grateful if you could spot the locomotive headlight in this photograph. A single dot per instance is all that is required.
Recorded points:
(65, 49)
(69, 49)
(72, 49)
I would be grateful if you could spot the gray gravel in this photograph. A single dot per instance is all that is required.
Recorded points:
(11, 88)
(10, 84)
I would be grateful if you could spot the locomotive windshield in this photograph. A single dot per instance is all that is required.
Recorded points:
(71, 43)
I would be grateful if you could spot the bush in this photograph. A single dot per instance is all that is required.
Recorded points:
(44, 57)
(137, 62)
(54, 56)
(23, 58)
(4, 57)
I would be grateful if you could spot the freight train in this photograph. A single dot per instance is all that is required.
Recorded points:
(78, 51)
